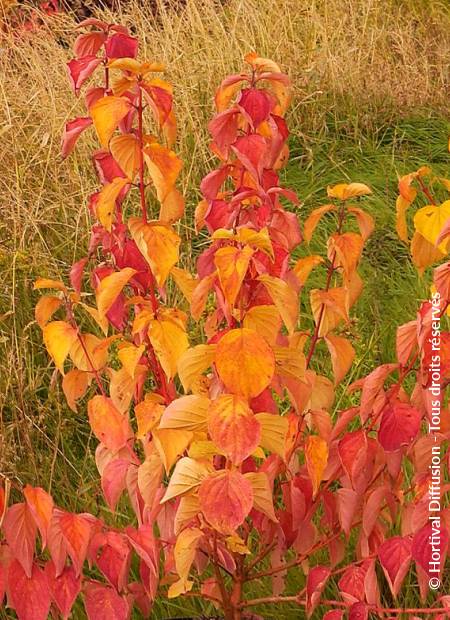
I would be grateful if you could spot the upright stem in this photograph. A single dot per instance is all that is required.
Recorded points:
(141, 158)
(330, 272)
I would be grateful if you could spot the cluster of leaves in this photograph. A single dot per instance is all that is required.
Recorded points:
(229, 452)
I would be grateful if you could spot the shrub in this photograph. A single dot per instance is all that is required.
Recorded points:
(234, 466)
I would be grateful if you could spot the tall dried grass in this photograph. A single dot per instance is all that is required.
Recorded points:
(356, 66)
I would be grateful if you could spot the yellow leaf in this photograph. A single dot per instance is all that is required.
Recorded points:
(262, 494)
(102, 322)
(129, 356)
(185, 281)
(316, 455)
(158, 244)
(232, 264)
(188, 509)
(285, 299)
(121, 388)
(236, 545)
(106, 203)
(245, 362)
(125, 150)
(290, 362)
(274, 430)
(342, 356)
(171, 444)
(149, 478)
(265, 320)
(45, 309)
(88, 355)
(184, 554)
(313, 219)
(110, 287)
(429, 222)
(186, 413)
(169, 340)
(187, 475)
(193, 363)
(106, 114)
(59, 337)
(345, 191)
(260, 239)
(134, 66)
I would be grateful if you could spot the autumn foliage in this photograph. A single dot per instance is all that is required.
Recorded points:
(229, 451)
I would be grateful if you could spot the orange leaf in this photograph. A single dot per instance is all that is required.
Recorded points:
(245, 362)
(158, 244)
(313, 219)
(164, 167)
(226, 498)
(232, 264)
(316, 454)
(90, 355)
(129, 356)
(348, 248)
(106, 114)
(423, 253)
(47, 283)
(109, 425)
(304, 266)
(335, 308)
(184, 555)
(233, 427)
(342, 356)
(106, 203)
(59, 337)
(45, 308)
(40, 504)
(74, 385)
(110, 288)
(125, 150)
(148, 414)
(76, 530)
(172, 207)
(345, 191)
(365, 221)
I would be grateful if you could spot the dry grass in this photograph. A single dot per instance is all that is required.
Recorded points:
(356, 65)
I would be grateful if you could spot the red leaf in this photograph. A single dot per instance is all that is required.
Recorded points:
(114, 481)
(121, 45)
(107, 167)
(80, 70)
(145, 545)
(76, 274)
(29, 596)
(257, 103)
(76, 531)
(251, 151)
(103, 603)
(64, 589)
(72, 131)
(353, 454)
(395, 558)
(315, 584)
(422, 547)
(213, 181)
(114, 559)
(358, 611)
(399, 426)
(226, 498)
(40, 504)
(88, 44)
(348, 502)
(335, 614)
(223, 128)
(20, 532)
